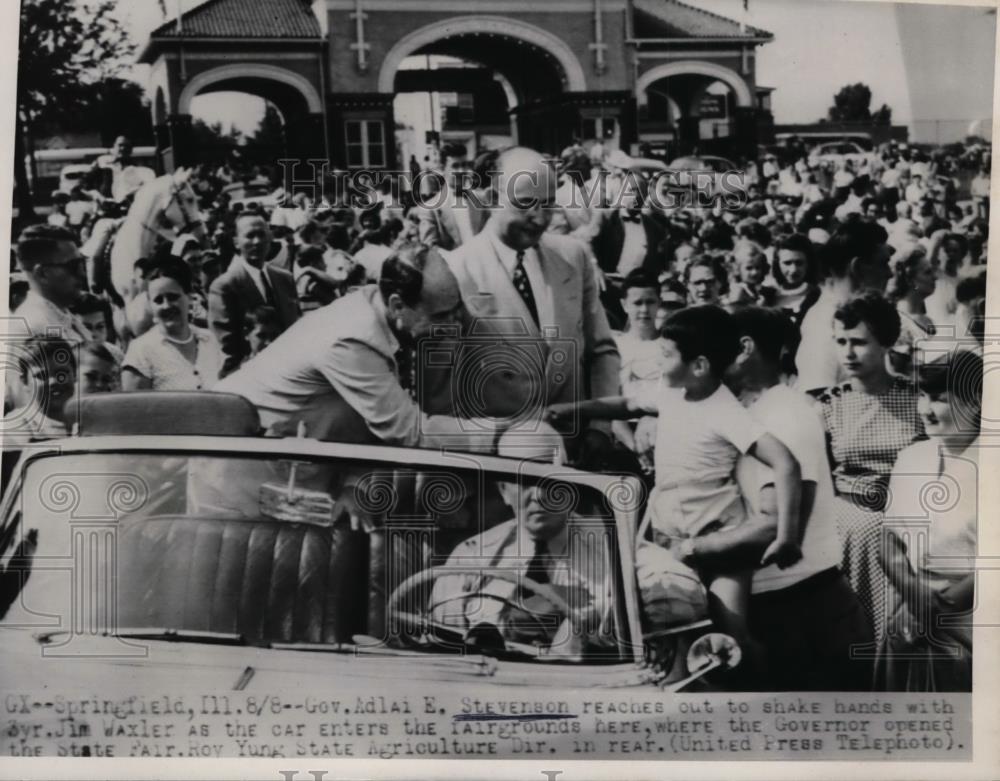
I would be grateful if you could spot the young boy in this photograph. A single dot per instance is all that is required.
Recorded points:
(262, 327)
(702, 431)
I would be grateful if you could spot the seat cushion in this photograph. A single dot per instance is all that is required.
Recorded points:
(269, 581)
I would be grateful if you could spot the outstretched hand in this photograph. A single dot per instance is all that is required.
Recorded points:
(560, 416)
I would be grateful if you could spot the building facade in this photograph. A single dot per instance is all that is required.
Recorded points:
(543, 74)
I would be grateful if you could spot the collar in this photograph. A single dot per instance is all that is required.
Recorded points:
(557, 546)
(36, 299)
(371, 292)
(508, 255)
(198, 334)
(256, 274)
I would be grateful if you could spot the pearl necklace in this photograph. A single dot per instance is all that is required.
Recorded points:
(171, 339)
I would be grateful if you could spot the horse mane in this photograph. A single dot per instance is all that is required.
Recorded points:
(137, 236)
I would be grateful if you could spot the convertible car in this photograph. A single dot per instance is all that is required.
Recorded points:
(214, 559)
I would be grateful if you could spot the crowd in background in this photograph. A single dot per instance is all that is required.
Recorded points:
(848, 295)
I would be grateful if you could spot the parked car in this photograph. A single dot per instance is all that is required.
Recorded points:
(134, 564)
(248, 194)
(833, 154)
(707, 178)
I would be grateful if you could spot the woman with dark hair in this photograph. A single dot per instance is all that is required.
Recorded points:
(794, 272)
(868, 420)
(913, 280)
(925, 562)
(173, 354)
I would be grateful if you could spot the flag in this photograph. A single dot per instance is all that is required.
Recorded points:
(746, 5)
(163, 8)
(180, 14)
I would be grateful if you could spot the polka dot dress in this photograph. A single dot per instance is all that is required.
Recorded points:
(866, 432)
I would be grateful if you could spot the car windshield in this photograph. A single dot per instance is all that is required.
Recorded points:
(326, 554)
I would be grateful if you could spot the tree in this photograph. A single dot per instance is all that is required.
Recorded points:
(212, 142)
(66, 47)
(883, 116)
(268, 141)
(852, 104)
(113, 107)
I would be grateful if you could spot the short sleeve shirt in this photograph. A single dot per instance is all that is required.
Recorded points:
(697, 446)
(156, 358)
(789, 416)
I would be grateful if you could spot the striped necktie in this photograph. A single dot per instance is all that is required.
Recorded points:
(523, 286)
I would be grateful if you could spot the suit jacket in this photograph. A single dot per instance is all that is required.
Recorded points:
(574, 355)
(233, 295)
(610, 240)
(438, 226)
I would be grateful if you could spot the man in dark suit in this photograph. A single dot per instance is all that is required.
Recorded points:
(629, 236)
(249, 282)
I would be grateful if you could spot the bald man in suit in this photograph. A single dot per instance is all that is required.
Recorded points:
(536, 295)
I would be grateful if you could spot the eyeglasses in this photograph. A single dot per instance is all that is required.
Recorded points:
(76, 262)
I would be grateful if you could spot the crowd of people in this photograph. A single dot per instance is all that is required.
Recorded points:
(777, 362)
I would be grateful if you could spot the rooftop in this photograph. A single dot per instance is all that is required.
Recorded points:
(242, 19)
(677, 20)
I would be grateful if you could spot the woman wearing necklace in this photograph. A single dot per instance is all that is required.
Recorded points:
(173, 354)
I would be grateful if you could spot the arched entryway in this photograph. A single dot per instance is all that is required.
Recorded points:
(697, 106)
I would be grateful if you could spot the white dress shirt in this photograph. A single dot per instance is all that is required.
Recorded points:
(255, 274)
(533, 268)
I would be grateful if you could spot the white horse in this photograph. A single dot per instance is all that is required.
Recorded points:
(163, 209)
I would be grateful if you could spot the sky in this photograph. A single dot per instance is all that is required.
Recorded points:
(916, 58)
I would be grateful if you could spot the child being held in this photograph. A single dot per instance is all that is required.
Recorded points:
(315, 286)
(262, 327)
(702, 431)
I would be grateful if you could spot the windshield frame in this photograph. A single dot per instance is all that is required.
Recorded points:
(626, 521)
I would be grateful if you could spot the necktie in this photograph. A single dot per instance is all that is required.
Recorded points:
(523, 286)
(268, 292)
(537, 568)
(631, 218)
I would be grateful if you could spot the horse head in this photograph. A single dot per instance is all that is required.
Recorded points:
(163, 209)
(180, 210)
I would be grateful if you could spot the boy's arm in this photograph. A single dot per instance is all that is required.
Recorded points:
(785, 550)
(607, 408)
(742, 547)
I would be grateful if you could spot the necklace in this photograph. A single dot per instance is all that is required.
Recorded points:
(169, 338)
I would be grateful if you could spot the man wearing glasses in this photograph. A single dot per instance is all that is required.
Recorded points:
(56, 274)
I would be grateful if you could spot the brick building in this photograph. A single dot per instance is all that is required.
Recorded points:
(539, 73)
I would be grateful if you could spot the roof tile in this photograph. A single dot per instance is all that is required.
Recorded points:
(245, 19)
(674, 19)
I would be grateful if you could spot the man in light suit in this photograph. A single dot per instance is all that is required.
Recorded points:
(536, 293)
(248, 283)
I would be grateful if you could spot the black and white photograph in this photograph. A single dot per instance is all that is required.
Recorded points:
(458, 381)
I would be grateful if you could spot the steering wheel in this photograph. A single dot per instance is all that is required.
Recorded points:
(404, 589)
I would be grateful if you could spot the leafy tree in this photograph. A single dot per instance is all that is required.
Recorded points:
(66, 47)
(212, 143)
(269, 140)
(883, 116)
(852, 104)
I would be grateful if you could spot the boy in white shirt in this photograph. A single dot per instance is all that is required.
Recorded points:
(702, 431)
